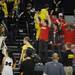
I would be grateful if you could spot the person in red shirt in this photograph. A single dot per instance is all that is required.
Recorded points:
(68, 34)
(54, 19)
(55, 34)
(43, 39)
(44, 32)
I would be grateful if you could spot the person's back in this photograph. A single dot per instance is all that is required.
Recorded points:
(54, 67)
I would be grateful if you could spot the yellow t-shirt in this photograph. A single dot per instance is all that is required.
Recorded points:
(24, 48)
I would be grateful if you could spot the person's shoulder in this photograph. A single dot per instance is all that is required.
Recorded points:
(24, 47)
(60, 64)
(30, 46)
(48, 63)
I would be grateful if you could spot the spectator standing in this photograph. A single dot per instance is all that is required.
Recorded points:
(68, 66)
(43, 39)
(55, 34)
(68, 33)
(2, 40)
(67, 61)
(54, 67)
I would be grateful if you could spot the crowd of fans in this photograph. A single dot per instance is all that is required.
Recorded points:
(52, 35)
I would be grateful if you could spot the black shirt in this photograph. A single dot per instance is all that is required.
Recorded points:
(65, 60)
(27, 67)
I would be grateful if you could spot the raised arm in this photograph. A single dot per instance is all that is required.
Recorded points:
(57, 4)
(54, 1)
(49, 21)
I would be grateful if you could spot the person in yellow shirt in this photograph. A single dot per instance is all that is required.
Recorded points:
(25, 47)
(4, 7)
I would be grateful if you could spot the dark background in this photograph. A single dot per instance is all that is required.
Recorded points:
(68, 5)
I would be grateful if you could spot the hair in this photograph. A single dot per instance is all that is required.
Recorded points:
(9, 54)
(27, 38)
(46, 21)
(55, 55)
